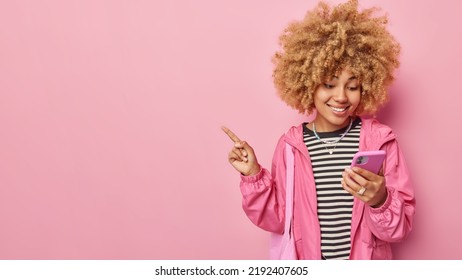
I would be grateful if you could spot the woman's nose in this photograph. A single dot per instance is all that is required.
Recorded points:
(340, 95)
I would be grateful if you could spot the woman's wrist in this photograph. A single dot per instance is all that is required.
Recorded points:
(382, 201)
(253, 171)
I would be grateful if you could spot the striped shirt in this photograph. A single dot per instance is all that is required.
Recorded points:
(334, 203)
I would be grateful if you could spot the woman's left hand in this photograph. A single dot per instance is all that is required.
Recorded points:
(365, 185)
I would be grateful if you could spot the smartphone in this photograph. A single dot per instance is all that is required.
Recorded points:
(369, 160)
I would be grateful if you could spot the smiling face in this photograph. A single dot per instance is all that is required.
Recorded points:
(335, 101)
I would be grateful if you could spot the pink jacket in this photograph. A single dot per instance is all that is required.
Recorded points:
(372, 229)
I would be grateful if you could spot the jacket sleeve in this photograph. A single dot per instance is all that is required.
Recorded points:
(263, 195)
(393, 221)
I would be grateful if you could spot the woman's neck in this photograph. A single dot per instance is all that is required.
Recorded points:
(324, 126)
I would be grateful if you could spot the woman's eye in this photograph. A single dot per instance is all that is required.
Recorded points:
(353, 88)
(328, 86)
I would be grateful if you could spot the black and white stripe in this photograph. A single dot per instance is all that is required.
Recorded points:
(334, 203)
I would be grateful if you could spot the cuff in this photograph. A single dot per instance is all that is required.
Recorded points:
(253, 178)
(384, 205)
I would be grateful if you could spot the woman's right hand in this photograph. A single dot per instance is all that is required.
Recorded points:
(242, 156)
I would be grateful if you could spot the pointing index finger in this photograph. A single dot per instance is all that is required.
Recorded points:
(231, 135)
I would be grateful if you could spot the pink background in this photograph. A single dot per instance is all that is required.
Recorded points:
(110, 115)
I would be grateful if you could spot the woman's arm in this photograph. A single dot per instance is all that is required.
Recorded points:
(393, 220)
(263, 195)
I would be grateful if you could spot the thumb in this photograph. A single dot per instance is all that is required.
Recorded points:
(245, 148)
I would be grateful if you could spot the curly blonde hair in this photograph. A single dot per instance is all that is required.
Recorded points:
(329, 40)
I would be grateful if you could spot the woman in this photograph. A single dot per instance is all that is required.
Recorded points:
(338, 62)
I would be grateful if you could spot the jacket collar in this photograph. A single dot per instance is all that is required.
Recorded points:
(373, 136)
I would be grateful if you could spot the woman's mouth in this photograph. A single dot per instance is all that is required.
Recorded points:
(338, 109)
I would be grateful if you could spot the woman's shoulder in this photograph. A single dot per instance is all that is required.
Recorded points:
(293, 136)
(376, 133)
(374, 125)
(294, 132)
